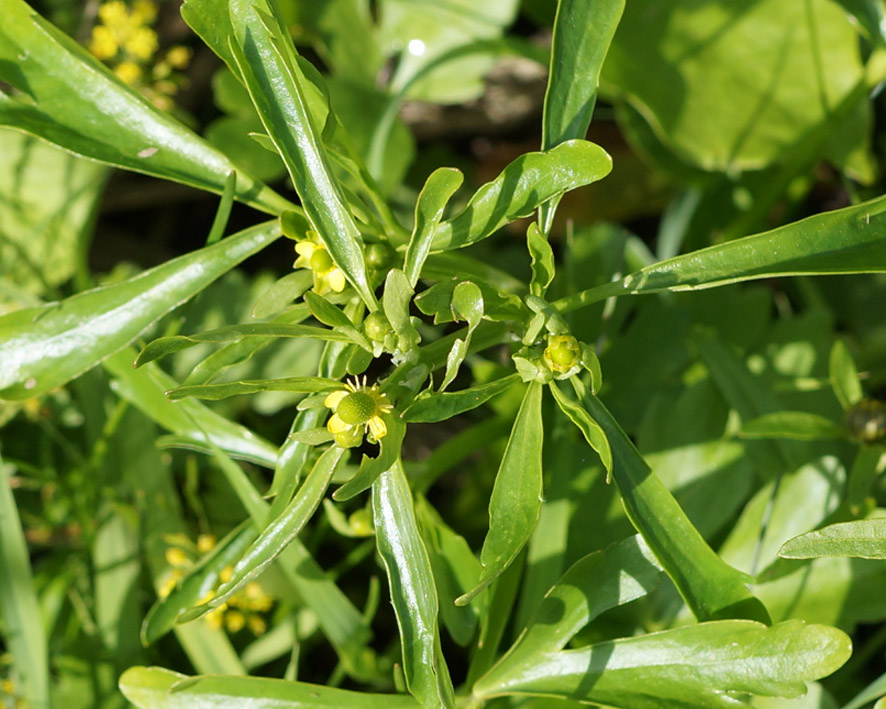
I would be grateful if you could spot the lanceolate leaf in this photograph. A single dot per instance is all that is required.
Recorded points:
(686, 668)
(157, 688)
(799, 425)
(77, 103)
(214, 392)
(842, 241)
(517, 495)
(440, 407)
(432, 200)
(268, 62)
(865, 539)
(45, 347)
(844, 375)
(589, 428)
(524, 185)
(413, 591)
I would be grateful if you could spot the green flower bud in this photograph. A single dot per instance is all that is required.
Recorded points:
(563, 353)
(379, 256)
(377, 327)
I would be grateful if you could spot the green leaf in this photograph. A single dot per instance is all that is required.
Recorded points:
(595, 583)
(413, 591)
(431, 408)
(687, 668)
(590, 429)
(844, 375)
(543, 265)
(329, 315)
(441, 184)
(282, 293)
(200, 579)
(517, 494)
(163, 346)
(842, 241)
(268, 63)
(864, 539)
(467, 304)
(214, 392)
(792, 424)
(523, 186)
(395, 301)
(46, 346)
(145, 388)
(711, 588)
(70, 99)
(583, 31)
(158, 688)
(23, 632)
(370, 468)
(278, 534)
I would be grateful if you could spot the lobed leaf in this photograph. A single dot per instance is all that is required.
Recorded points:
(46, 346)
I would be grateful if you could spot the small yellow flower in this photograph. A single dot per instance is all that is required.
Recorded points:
(177, 557)
(256, 598)
(179, 57)
(257, 624)
(205, 543)
(357, 409)
(313, 255)
(128, 72)
(225, 574)
(141, 43)
(215, 617)
(115, 15)
(234, 620)
(103, 45)
(144, 11)
(169, 583)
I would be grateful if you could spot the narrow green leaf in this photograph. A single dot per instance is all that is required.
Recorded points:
(800, 425)
(590, 429)
(278, 534)
(44, 347)
(370, 468)
(163, 346)
(517, 494)
(844, 375)
(200, 579)
(467, 304)
(214, 392)
(595, 583)
(413, 591)
(268, 62)
(312, 436)
(864, 539)
(440, 407)
(711, 588)
(432, 200)
(158, 688)
(523, 186)
(282, 293)
(686, 668)
(220, 223)
(23, 631)
(841, 241)
(330, 315)
(75, 102)
(543, 265)
(395, 301)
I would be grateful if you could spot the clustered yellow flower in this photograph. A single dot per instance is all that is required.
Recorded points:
(125, 40)
(241, 610)
(312, 254)
(357, 409)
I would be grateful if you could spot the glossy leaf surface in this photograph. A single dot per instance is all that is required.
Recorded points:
(432, 200)
(865, 539)
(440, 407)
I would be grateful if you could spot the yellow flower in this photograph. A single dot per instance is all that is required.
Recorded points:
(257, 624)
(128, 72)
(313, 255)
(234, 621)
(144, 11)
(205, 543)
(357, 409)
(177, 558)
(178, 56)
(141, 43)
(169, 583)
(115, 15)
(103, 45)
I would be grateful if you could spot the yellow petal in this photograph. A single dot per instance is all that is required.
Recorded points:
(305, 248)
(335, 425)
(334, 398)
(336, 280)
(377, 427)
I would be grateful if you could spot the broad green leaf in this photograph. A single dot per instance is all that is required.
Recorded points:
(517, 494)
(687, 668)
(865, 539)
(202, 578)
(214, 392)
(46, 346)
(331, 316)
(413, 591)
(733, 86)
(592, 431)
(844, 375)
(455, 568)
(593, 584)
(69, 98)
(440, 407)
(145, 388)
(370, 468)
(278, 534)
(163, 346)
(842, 241)
(432, 200)
(583, 31)
(792, 424)
(158, 688)
(523, 186)
(543, 265)
(47, 197)
(23, 632)
(711, 588)
(268, 63)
